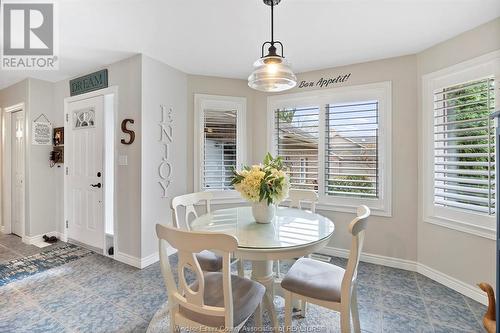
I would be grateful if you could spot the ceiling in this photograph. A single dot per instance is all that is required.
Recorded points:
(223, 37)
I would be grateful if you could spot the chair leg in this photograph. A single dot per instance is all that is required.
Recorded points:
(303, 308)
(345, 317)
(258, 316)
(173, 327)
(278, 270)
(241, 268)
(288, 311)
(354, 310)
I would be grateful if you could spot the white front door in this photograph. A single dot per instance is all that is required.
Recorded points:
(83, 150)
(17, 172)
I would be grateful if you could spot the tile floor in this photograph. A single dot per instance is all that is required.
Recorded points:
(96, 294)
(11, 247)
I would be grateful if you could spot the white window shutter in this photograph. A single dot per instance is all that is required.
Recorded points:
(220, 152)
(296, 139)
(351, 150)
(464, 144)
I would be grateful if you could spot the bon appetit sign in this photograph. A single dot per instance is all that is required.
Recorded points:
(324, 82)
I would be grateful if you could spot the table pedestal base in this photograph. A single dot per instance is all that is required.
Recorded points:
(262, 272)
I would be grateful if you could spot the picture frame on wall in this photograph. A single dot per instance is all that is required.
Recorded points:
(58, 137)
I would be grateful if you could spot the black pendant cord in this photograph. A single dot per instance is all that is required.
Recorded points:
(272, 22)
(272, 51)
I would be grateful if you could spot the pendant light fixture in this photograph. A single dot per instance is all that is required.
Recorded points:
(272, 73)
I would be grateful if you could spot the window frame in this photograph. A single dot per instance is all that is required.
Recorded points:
(475, 69)
(381, 91)
(218, 103)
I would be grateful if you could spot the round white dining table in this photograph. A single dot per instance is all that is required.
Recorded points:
(293, 233)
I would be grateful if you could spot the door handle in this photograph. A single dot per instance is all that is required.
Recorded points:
(98, 185)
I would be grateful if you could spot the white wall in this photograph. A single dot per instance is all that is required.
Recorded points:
(466, 257)
(161, 85)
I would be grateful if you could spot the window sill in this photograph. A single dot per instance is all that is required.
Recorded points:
(375, 211)
(228, 201)
(462, 227)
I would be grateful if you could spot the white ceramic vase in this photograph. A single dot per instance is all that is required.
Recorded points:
(262, 212)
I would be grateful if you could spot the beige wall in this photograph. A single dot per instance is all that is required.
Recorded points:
(125, 74)
(393, 236)
(466, 257)
(10, 96)
(39, 207)
(216, 86)
(161, 85)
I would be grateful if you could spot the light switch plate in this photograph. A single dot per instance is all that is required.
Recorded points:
(123, 160)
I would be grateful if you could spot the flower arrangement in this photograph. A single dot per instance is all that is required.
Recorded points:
(267, 182)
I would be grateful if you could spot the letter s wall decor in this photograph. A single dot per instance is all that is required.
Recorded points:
(127, 131)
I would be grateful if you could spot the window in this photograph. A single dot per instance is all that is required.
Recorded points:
(351, 164)
(84, 118)
(458, 146)
(220, 149)
(220, 142)
(464, 144)
(297, 142)
(337, 142)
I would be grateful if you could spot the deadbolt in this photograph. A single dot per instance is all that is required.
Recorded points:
(98, 174)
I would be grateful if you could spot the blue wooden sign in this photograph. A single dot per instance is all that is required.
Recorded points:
(88, 83)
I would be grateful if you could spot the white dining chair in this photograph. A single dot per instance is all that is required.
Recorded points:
(297, 198)
(326, 284)
(209, 261)
(215, 301)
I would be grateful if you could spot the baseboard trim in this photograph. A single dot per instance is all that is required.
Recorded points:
(30, 240)
(373, 259)
(463, 288)
(137, 262)
(128, 259)
(149, 260)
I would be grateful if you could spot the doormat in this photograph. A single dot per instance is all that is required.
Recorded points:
(21, 268)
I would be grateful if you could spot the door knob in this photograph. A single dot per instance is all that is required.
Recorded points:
(98, 185)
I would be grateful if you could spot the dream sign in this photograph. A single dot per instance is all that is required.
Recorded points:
(88, 83)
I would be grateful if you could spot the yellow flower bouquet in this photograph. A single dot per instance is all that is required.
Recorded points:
(264, 185)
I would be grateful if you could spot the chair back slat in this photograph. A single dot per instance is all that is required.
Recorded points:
(188, 243)
(188, 202)
(298, 197)
(357, 228)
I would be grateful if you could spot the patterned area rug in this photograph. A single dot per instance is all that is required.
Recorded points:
(20, 268)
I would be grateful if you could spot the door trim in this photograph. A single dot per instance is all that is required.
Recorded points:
(7, 168)
(109, 94)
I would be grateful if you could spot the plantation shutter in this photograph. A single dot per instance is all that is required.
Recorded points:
(296, 138)
(351, 150)
(464, 143)
(219, 156)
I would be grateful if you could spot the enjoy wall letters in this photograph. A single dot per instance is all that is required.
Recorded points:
(166, 139)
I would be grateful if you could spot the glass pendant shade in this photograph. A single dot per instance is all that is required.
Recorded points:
(272, 73)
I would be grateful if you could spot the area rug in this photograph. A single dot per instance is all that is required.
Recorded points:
(23, 267)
